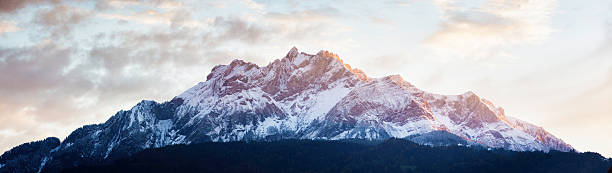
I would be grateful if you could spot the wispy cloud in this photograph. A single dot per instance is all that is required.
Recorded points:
(64, 79)
(488, 28)
(157, 17)
(253, 5)
(11, 6)
(60, 20)
(404, 3)
(8, 26)
(121, 4)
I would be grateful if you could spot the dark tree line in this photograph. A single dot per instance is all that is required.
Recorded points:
(27, 157)
(393, 155)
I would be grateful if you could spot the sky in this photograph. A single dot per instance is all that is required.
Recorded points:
(65, 64)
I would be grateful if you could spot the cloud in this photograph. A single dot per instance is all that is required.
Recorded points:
(69, 84)
(403, 3)
(304, 23)
(121, 4)
(238, 29)
(490, 27)
(381, 21)
(306, 15)
(8, 26)
(156, 17)
(36, 89)
(388, 63)
(11, 6)
(66, 78)
(59, 20)
(253, 5)
(57, 85)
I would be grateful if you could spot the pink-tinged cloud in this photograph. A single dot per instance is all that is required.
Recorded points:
(487, 28)
(8, 26)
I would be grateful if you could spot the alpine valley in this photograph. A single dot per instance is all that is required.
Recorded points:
(301, 96)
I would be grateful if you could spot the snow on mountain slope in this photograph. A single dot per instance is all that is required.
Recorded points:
(300, 96)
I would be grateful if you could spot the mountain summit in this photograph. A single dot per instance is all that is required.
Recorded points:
(301, 96)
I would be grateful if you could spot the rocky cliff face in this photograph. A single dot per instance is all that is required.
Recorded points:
(300, 96)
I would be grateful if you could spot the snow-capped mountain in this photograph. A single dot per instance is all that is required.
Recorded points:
(300, 96)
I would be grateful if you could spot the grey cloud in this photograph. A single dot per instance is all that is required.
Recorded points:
(110, 4)
(138, 63)
(35, 89)
(50, 76)
(10, 6)
(238, 29)
(106, 4)
(60, 20)
(36, 76)
(34, 67)
(66, 83)
(47, 82)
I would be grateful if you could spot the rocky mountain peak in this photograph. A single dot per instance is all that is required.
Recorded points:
(347, 95)
(397, 80)
(292, 53)
(300, 96)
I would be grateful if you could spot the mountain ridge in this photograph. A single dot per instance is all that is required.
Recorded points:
(300, 96)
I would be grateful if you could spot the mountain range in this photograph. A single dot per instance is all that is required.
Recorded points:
(300, 96)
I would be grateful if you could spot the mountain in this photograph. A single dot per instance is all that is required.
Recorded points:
(301, 96)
